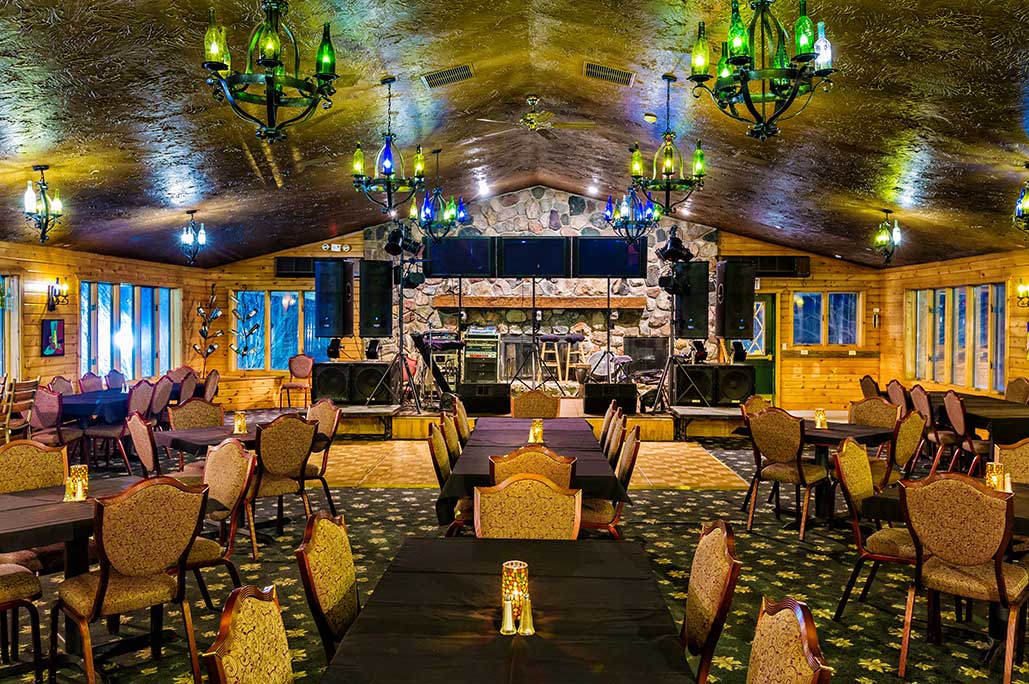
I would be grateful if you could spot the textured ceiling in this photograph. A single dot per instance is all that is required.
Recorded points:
(929, 117)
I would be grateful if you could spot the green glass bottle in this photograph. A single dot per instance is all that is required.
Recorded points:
(804, 34)
(358, 161)
(698, 162)
(419, 162)
(325, 59)
(269, 46)
(212, 39)
(723, 69)
(636, 162)
(701, 58)
(739, 43)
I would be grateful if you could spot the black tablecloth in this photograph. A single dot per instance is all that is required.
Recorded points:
(1006, 421)
(108, 406)
(885, 506)
(572, 437)
(435, 617)
(834, 433)
(196, 440)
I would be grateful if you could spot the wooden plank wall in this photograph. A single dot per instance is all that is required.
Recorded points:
(825, 377)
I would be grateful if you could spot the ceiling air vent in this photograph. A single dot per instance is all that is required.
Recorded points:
(609, 74)
(445, 77)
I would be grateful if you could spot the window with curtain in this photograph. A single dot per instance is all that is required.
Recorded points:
(826, 318)
(110, 337)
(287, 327)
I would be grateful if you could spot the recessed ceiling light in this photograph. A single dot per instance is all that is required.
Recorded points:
(837, 256)
(685, 211)
(591, 190)
(650, 117)
(483, 187)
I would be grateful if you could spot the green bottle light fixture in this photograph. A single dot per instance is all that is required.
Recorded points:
(325, 58)
(1021, 216)
(887, 237)
(804, 35)
(701, 58)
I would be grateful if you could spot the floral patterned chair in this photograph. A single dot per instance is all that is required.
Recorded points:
(535, 404)
(961, 528)
(448, 425)
(91, 382)
(228, 469)
(301, 367)
(713, 576)
(615, 438)
(874, 412)
(251, 645)
(898, 395)
(869, 387)
(905, 444)
(527, 506)
(194, 413)
(778, 440)
(1015, 458)
(187, 388)
(25, 465)
(115, 379)
(327, 415)
(464, 426)
(143, 539)
(140, 396)
(939, 439)
(754, 404)
(141, 433)
(601, 514)
(441, 465)
(886, 545)
(785, 646)
(609, 415)
(61, 385)
(327, 570)
(157, 414)
(179, 374)
(533, 459)
(1017, 390)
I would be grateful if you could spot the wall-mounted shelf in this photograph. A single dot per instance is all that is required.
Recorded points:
(525, 302)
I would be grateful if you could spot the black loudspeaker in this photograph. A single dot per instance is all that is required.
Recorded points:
(694, 384)
(486, 397)
(350, 382)
(376, 299)
(598, 395)
(331, 381)
(735, 383)
(691, 306)
(734, 310)
(334, 298)
(365, 376)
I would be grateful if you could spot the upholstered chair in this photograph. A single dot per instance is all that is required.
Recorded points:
(179, 374)
(967, 442)
(886, 545)
(961, 528)
(187, 387)
(251, 645)
(533, 459)
(17, 410)
(904, 446)
(939, 440)
(327, 415)
(193, 414)
(47, 420)
(115, 379)
(464, 426)
(1015, 458)
(228, 470)
(874, 412)
(602, 514)
(605, 438)
(778, 440)
(535, 404)
(898, 395)
(62, 385)
(301, 367)
(869, 387)
(441, 465)
(143, 539)
(157, 415)
(283, 448)
(20, 589)
(609, 415)
(785, 646)
(1017, 390)
(713, 576)
(754, 404)
(141, 434)
(450, 435)
(91, 382)
(27, 464)
(327, 570)
(615, 438)
(211, 385)
(527, 506)
(140, 396)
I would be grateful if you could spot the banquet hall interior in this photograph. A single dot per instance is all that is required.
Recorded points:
(565, 341)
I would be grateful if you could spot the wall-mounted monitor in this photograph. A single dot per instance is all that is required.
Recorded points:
(608, 257)
(534, 257)
(461, 257)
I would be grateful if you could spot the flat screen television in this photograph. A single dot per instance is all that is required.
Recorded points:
(460, 257)
(608, 257)
(533, 257)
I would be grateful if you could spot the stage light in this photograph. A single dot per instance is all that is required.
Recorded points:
(412, 280)
(673, 250)
(393, 242)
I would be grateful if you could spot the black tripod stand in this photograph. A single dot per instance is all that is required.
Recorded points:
(400, 358)
(672, 363)
(535, 356)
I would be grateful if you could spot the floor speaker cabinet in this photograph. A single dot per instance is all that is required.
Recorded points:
(691, 306)
(485, 398)
(334, 298)
(376, 299)
(734, 303)
(597, 397)
(351, 382)
(712, 385)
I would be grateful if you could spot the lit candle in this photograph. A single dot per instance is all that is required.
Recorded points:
(820, 422)
(514, 584)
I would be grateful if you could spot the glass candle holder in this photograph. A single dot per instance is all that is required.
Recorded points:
(820, 422)
(76, 486)
(239, 423)
(995, 473)
(536, 431)
(514, 585)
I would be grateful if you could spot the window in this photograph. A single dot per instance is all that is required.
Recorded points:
(315, 347)
(286, 327)
(252, 342)
(9, 332)
(127, 327)
(826, 318)
(939, 335)
(999, 336)
(958, 365)
(285, 319)
(755, 346)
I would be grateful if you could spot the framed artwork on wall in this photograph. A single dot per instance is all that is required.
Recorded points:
(53, 337)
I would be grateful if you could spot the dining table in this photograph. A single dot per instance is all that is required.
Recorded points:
(197, 440)
(106, 406)
(571, 437)
(435, 617)
(1006, 421)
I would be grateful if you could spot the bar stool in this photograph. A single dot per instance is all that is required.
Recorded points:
(549, 352)
(573, 347)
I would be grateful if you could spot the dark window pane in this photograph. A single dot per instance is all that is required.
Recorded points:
(315, 347)
(843, 318)
(807, 318)
(284, 319)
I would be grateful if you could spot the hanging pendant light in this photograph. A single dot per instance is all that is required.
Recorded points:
(437, 216)
(193, 239)
(887, 237)
(1021, 216)
(271, 80)
(43, 210)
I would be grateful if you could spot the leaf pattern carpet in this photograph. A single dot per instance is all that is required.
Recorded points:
(863, 648)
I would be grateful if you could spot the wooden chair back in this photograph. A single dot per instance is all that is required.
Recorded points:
(300, 367)
(869, 387)
(161, 397)
(187, 387)
(284, 445)
(450, 435)
(1017, 390)
(26, 465)
(527, 506)
(535, 404)
(195, 413)
(142, 436)
(326, 563)
(785, 640)
(1015, 458)
(440, 455)
(115, 379)
(252, 636)
(533, 459)
(62, 385)
(211, 385)
(91, 382)
(897, 394)
(874, 412)
(777, 437)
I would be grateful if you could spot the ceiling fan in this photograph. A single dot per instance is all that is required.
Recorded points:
(538, 121)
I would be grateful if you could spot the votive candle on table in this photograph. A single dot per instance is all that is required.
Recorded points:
(536, 431)
(995, 475)
(820, 422)
(76, 486)
(514, 585)
(239, 423)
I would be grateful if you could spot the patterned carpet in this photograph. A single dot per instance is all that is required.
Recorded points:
(863, 648)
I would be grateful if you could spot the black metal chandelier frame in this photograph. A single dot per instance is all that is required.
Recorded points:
(47, 215)
(193, 239)
(434, 218)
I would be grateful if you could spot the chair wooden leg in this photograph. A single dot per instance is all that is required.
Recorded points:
(307, 502)
(87, 649)
(803, 513)
(847, 589)
(5, 642)
(753, 501)
(936, 460)
(14, 635)
(955, 459)
(328, 495)
(55, 614)
(113, 624)
(869, 580)
(249, 508)
(194, 660)
(776, 489)
(905, 641)
(1020, 629)
(156, 630)
(933, 631)
(125, 456)
(37, 646)
(1009, 650)
(233, 573)
(280, 524)
(202, 585)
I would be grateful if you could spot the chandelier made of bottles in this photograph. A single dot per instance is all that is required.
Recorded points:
(437, 216)
(1021, 215)
(42, 209)
(887, 237)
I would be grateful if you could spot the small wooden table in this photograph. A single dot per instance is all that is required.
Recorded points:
(197, 440)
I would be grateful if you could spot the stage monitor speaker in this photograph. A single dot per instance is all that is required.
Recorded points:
(376, 299)
(334, 298)
(597, 397)
(350, 382)
(365, 377)
(735, 383)
(694, 384)
(486, 397)
(691, 307)
(734, 309)
(331, 381)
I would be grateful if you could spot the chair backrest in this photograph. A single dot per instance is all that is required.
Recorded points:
(251, 645)
(1015, 458)
(211, 385)
(922, 403)
(605, 440)
(449, 427)
(327, 415)
(897, 394)
(785, 646)
(713, 576)
(874, 412)
(1017, 390)
(62, 385)
(115, 379)
(854, 473)
(284, 445)
(91, 382)
(869, 387)
(25, 464)
(300, 366)
(615, 439)
(21, 397)
(777, 436)
(954, 405)
(147, 530)
(535, 404)
(609, 414)
(142, 436)
(187, 387)
(440, 455)
(907, 438)
(46, 409)
(179, 374)
(228, 470)
(140, 397)
(754, 404)
(195, 413)
(162, 395)
(464, 426)
(327, 570)
(533, 459)
(527, 506)
(627, 457)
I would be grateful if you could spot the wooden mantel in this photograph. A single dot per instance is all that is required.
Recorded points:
(525, 302)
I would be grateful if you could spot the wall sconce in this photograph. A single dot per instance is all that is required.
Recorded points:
(56, 294)
(875, 317)
(1022, 292)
